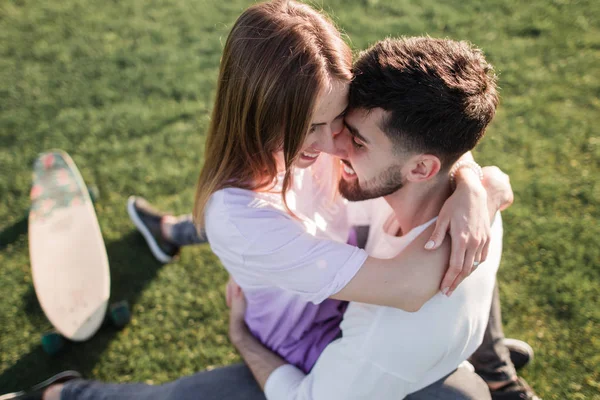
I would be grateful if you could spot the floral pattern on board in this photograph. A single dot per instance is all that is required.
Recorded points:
(55, 185)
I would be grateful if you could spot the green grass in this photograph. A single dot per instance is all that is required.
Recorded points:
(126, 87)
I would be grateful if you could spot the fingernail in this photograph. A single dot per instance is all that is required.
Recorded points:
(450, 293)
(445, 291)
(429, 245)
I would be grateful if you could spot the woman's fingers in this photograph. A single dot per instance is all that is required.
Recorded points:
(457, 257)
(439, 233)
(478, 259)
(485, 250)
(465, 271)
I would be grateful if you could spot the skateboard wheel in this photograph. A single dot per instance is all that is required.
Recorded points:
(94, 193)
(120, 314)
(52, 343)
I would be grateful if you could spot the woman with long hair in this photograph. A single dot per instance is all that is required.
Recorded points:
(266, 195)
(267, 199)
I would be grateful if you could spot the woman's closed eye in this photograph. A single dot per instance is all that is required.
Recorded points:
(342, 115)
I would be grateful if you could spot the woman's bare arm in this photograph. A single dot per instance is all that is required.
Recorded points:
(407, 281)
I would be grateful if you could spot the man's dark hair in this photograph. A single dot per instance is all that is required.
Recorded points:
(440, 94)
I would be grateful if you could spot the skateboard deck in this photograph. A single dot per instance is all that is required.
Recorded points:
(69, 263)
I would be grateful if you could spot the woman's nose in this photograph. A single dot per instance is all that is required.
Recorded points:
(333, 144)
(342, 143)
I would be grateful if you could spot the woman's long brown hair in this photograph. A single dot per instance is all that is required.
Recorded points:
(278, 58)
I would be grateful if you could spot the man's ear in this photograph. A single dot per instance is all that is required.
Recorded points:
(422, 167)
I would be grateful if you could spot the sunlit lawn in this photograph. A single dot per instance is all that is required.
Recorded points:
(126, 87)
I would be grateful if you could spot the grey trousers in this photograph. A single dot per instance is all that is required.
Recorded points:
(491, 362)
(237, 383)
(492, 359)
(462, 384)
(184, 232)
(234, 382)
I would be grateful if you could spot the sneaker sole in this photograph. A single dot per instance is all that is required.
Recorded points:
(154, 248)
(521, 353)
(59, 378)
(519, 344)
(14, 395)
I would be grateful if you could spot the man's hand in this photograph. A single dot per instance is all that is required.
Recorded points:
(261, 361)
(237, 305)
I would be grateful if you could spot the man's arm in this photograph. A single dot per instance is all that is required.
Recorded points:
(263, 363)
(396, 282)
(278, 379)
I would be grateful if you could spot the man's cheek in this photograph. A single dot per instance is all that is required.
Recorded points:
(362, 171)
(364, 167)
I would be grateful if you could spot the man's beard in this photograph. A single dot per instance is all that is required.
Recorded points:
(385, 184)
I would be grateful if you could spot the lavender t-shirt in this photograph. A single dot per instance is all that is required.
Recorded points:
(287, 267)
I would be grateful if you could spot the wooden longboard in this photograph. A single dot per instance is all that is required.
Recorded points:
(68, 257)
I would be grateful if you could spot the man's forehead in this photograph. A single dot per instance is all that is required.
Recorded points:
(366, 115)
(367, 121)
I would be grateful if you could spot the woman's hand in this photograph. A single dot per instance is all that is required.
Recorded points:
(466, 217)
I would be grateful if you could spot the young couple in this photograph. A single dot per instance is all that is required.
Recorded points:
(289, 107)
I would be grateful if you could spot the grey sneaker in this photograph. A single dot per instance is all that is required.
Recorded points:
(521, 353)
(147, 220)
(37, 392)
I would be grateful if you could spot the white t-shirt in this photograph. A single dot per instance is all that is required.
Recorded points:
(387, 353)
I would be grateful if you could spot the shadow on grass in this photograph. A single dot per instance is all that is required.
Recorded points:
(132, 269)
(12, 233)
